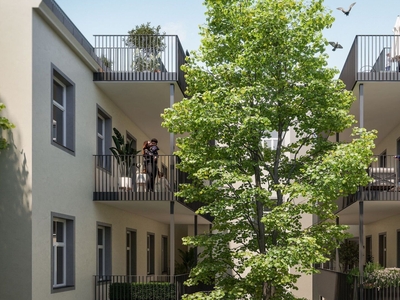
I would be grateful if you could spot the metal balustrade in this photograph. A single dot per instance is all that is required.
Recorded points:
(140, 58)
(136, 178)
(372, 58)
(384, 185)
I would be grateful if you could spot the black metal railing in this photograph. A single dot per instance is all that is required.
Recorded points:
(140, 58)
(372, 58)
(137, 287)
(384, 172)
(136, 177)
(336, 285)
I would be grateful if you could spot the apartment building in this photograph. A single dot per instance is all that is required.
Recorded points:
(371, 72)
(69, 221)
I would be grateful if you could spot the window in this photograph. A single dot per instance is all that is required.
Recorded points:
(103, 250)
(103, 139)
(398, 248)
(382, 249)
(164, 254)
(270, 142)
(63, 112)
(150, 253)
(368, 249)
(131, 138)
(382, 159)
(131, 252)
(62, 255)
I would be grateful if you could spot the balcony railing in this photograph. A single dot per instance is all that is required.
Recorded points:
(385, 182)
(136, 178)
(336, 285)
(372, 58)
(140, 58)
(135, 287)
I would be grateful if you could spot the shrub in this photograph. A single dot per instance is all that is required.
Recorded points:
(142, 291)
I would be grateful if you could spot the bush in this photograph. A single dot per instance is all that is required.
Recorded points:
(142, 291)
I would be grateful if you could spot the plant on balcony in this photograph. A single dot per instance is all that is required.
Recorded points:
(148, 43)
(124, 153)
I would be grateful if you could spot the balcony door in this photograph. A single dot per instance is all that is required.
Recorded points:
(131, 252)
(382, 249)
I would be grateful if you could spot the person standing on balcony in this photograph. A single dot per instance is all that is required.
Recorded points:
(162, 184)
(388, 62)
(150, 154)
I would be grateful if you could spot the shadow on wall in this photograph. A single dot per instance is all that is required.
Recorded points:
(15, 222)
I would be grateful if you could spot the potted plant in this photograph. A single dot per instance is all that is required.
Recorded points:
(125, 154)
(148, 43)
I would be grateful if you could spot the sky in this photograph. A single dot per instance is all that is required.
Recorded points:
(183, 17)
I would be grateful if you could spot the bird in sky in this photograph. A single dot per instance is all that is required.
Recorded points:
(335, 46)
(346, 12)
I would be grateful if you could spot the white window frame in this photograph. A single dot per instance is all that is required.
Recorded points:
(63, 108)
(62, 245)
(273, 141)
(101, 247)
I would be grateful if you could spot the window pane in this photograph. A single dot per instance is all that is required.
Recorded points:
(100, 147)
(58, 93)
(100, 123)
(60, 265)
(101, 267)
(59, 232)
(58, 124)
(100, 236)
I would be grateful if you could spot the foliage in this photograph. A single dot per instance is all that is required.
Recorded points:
(5, 124)
(261, 68)
(124, 152)
(148, 43)
(106, 63)
(142, 291)
(383, 278)
(348, 255)
(188, 261)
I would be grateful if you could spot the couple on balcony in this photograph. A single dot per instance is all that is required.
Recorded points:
(147, 178)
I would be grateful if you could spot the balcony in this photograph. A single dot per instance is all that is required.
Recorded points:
(367, 60)
(140, 58)
(380, 196)
(128, 181)
(130, 287)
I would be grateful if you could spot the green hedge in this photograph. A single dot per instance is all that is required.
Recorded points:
(142, 291)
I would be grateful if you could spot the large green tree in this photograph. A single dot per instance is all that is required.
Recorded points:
(261, 69)
(5, 124)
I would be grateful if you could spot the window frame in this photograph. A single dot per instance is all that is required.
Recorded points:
(150, 253)
(106, 247)
(105, 163)
(68, 246)
(68, 111)
(131, 252)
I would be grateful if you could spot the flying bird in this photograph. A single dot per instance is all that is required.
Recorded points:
(335, 46)
(346, 12)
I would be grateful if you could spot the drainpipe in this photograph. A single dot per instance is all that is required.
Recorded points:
(172, 241)
(171, 103)
(361, 208)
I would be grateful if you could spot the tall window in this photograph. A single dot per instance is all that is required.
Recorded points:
(130, 252)
(368, 249)
(164, 254)
(270, 142)
(382, 249)
(382, 159)
(150, 253)
(63, 264)
(63, 112)
(103, 250)
(103, 139)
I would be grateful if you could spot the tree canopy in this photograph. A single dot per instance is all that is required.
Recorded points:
(261, 70)
(5, 124)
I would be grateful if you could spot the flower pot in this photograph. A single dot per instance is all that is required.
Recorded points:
(125, 183)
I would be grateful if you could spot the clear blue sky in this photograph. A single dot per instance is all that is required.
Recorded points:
(183, 17)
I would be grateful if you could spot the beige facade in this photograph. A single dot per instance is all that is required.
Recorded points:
(41, 182)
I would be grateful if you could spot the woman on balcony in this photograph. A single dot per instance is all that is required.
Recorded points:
(150, 153)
